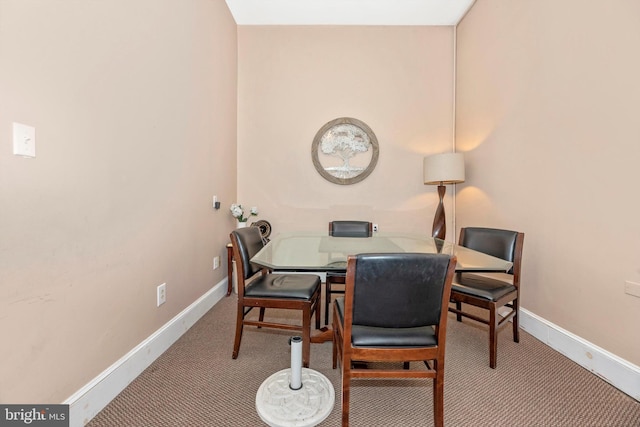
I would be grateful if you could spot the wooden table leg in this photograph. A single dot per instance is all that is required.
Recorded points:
(229, 268)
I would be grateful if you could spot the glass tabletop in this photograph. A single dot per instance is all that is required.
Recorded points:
(316, 251)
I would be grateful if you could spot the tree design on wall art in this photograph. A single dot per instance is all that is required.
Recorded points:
(345, 151)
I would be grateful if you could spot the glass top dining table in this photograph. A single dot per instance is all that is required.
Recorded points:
(318, 252)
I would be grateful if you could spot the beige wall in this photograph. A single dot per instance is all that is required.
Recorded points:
(547, 111)
(134, 105)
(293, 80)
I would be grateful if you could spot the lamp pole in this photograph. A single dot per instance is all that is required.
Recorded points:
(441, 169)
(439, 229)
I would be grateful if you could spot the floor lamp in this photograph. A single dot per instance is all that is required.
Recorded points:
(441, 169)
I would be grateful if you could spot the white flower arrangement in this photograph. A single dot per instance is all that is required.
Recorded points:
(238, 212)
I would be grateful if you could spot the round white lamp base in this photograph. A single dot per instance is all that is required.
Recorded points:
(280, 406)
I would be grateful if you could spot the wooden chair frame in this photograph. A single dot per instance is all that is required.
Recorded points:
(433, 357)
(246, 304)
(337, 279)
(510, 300)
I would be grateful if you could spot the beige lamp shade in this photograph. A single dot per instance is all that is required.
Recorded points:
(447, 168)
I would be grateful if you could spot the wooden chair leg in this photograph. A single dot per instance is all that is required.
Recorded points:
(306, 334)
(334, 353)
(334, 342)
(493, 337)
(458, 307)
(438, 397)
(317, 311)
(239, 326)
(346, 388)
(516, 329)
(327, 300)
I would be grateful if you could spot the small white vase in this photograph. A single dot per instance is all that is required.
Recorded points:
(241, 224)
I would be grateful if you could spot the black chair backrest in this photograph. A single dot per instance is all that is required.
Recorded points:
(399, 290)
(491, 241)
(249, 243)
(350, 229)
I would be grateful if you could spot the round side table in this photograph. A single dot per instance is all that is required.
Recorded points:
(280, 406)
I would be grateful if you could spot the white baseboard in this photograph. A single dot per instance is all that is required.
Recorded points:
(94, 396)
(618, 372)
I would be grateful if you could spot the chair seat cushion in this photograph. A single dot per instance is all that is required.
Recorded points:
(491, 287)
(289, 286)
(371, 336)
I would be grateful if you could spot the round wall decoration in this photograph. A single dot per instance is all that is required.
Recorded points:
(345, 151)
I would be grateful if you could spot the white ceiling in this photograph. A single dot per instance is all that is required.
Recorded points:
(348, 12)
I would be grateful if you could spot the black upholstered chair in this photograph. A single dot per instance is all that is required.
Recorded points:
(259, 288)
(342, 229)
(394, 310)
(490, 291)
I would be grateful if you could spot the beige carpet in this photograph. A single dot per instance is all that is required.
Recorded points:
(196, 383)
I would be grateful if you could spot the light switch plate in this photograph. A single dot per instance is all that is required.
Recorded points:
(24, 140)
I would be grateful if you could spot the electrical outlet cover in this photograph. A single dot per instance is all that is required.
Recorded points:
(161, 294)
